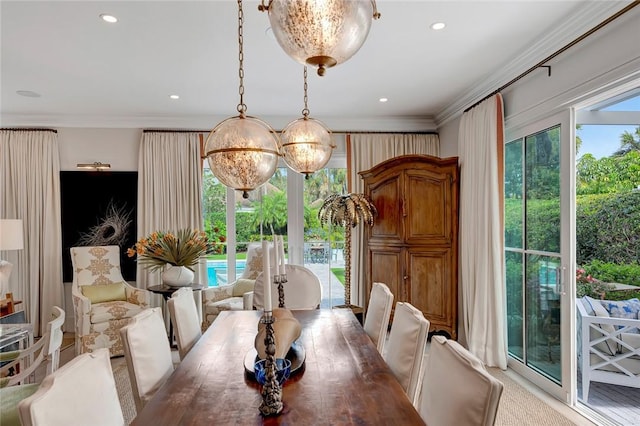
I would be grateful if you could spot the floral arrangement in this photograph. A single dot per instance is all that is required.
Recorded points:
(185, 248)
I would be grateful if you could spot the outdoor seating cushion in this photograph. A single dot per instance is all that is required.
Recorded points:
(595, 307)
(118, 309)
(230, 304)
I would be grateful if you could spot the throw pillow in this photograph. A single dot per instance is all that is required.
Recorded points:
(105, 292)
(243, 286)
(628, 309)
(608, 347)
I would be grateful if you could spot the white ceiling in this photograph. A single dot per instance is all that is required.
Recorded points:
(93, 74)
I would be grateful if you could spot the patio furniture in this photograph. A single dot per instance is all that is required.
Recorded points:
(609, 345)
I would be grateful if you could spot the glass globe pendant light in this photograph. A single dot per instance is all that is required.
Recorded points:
(320, 33)
(242, 151)
(306, 142)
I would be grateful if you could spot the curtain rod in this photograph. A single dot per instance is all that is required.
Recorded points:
(30, 130)
(363, 132)
(558, 52)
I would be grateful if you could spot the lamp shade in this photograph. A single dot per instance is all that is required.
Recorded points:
(306, 145)
(242, 152)
(321, 33)
(11, 234)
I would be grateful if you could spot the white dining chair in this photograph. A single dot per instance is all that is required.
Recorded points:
(185, 319)
(457, 388)
(405, 351)
(147, 353)
(302, 290)
(82, 392)
(376, 322)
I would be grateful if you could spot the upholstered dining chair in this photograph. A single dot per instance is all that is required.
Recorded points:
(302, 290)
(46, 350)
(376, 322)
(82, 392)
(185, 319)
(457, 388)
(104, 302)
(147, 353)
(405, 350)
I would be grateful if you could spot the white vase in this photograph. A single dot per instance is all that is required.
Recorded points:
(177, 276)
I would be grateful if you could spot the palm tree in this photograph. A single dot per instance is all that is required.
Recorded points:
(347, 211)
(628, 142)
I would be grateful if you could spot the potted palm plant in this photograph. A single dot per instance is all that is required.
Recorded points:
(348, 211)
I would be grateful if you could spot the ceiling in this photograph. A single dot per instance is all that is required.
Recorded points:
(89, 73)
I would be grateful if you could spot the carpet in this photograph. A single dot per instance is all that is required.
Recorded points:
(518, 406)
(68, 340)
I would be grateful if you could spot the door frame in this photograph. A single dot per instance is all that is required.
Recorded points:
(566, 390)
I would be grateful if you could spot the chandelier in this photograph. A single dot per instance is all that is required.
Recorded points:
(320, 33)
(306, 142)
(242, 151)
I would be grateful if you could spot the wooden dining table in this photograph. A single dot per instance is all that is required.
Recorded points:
(343, 381)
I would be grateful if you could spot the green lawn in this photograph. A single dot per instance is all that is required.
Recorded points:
(339, 273)
(224, 256)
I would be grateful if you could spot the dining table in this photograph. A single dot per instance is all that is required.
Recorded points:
(343, 380)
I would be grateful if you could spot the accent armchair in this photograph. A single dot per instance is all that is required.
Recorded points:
(103, 301)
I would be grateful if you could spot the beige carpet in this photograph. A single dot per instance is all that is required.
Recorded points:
(518, 406)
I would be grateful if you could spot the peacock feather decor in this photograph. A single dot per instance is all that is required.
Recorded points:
(348, 211)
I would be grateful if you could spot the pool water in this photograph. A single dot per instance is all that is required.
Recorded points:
(217, 271)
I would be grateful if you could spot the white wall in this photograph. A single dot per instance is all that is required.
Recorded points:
(118, 147)
(608, 58)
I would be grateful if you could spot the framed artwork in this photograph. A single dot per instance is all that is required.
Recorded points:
(99, 209)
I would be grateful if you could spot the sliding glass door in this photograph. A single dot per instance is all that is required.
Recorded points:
(538, 229)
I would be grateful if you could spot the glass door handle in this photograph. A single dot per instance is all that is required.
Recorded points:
(560, 273)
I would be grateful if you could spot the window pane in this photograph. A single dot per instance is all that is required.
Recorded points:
(324, 245)
(514, 304)
(543, 190)
(513, 198)
(214, 201)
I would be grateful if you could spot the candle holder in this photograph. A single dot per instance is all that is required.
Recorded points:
(280, 279)
(271, 390)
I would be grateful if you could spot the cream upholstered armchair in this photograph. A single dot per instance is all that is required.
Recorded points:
(103, 301)
(236, 296)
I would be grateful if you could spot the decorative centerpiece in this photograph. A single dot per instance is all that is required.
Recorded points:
(176, 253)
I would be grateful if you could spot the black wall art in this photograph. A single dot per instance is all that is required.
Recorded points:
(99, 209)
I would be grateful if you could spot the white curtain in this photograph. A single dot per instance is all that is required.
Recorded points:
(30, 190)
(363, 152)
(169, 191)
(482, 277)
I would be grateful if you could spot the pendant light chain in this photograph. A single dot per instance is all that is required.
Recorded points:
(242, 108)
(305, 111)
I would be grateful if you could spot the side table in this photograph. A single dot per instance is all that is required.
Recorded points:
(166, 292)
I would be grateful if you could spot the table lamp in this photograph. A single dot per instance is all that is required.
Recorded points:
(11, 238)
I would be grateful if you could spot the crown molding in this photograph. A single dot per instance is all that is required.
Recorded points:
(340, 124)
(589, 15)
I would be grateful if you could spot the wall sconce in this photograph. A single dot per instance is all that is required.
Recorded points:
(98, 166)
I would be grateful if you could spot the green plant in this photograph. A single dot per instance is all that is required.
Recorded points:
(614, 273)
(586, 285)
(160, 248)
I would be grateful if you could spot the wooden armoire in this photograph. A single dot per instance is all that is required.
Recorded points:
(413, 245)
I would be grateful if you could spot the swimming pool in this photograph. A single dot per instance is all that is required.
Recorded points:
(217, 271)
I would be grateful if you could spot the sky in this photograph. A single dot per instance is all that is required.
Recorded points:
(604, 140)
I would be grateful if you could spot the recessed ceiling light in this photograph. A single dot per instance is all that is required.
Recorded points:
(108, 18)
(383, 100)
(28, 93)
(174, 96)
(438, 25)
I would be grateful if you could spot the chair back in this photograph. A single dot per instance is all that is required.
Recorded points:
(457, 388)
(407, 341)
(96, 265)
(185, 319)
(147, 353)
(301, 291)
(82, 392)
(45, 350)
(376, 322)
